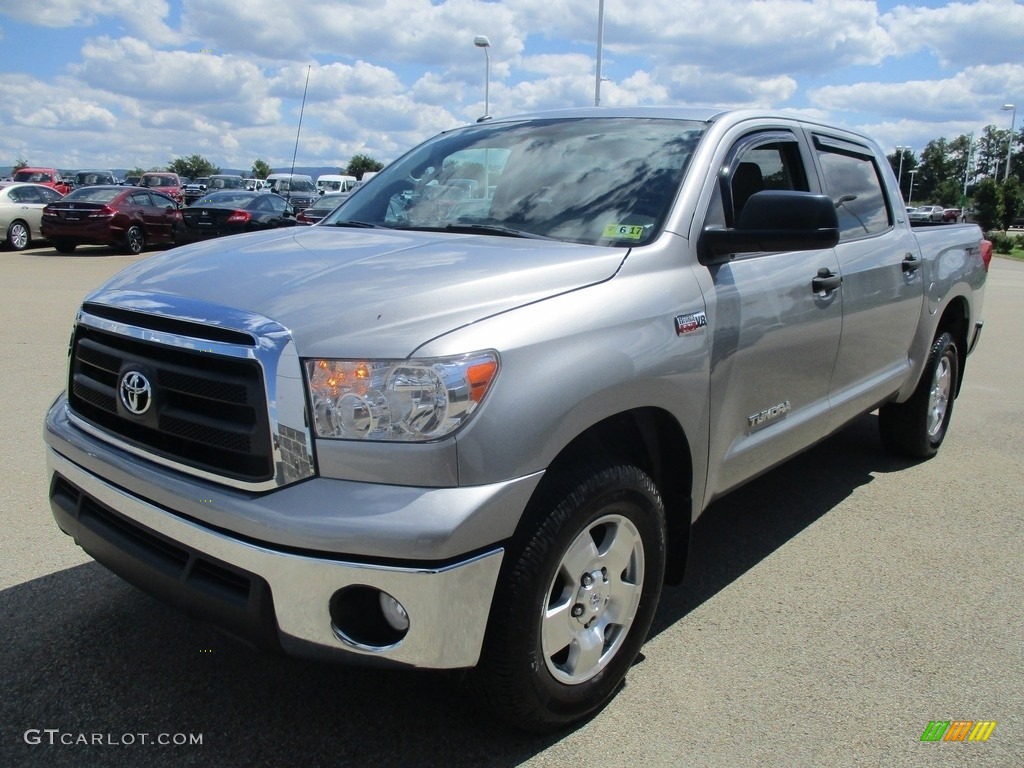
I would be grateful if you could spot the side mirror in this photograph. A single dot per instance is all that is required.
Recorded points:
(773, 220)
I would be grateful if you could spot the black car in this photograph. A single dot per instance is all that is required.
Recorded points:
(321, 207)
(231, 212)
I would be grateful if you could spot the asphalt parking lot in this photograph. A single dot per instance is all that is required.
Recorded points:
(834, 607)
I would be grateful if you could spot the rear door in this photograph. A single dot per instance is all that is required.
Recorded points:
(31, 201)
(882, 288)
(775, 336)
(155, 210)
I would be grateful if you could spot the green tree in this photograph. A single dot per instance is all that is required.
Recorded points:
(22, 163)
(949, 193)
(990, 150)
(192, 166)
(1013, 201)
(260, 170)
(988, 204)
(936, 166)
(360, 164)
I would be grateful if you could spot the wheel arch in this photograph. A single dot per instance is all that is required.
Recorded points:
(653, 440)
(955, 321)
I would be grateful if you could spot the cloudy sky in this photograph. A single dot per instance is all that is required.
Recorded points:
(124, 83)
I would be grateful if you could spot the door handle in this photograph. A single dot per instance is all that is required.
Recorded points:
(911, 263)
(826, 281)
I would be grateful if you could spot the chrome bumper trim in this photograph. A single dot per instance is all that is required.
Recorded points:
(448, 607)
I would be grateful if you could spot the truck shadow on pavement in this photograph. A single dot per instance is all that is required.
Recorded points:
(739, 530)
(85, 653)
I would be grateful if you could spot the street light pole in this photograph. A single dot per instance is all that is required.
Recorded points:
(481, 41)
(600, 46)
(910, 197)
(899, 176)
(1009, 144)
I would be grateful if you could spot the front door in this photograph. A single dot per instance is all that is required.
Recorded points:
(776, 332)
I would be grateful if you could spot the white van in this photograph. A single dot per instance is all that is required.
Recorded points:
(334, 183)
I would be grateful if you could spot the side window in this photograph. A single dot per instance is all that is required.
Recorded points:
(141, 198)
(755, 166)
(853, 182)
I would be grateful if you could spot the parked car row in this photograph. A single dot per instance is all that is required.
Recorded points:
(933, 213)
(153, 211)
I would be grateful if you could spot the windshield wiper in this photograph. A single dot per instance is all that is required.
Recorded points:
(489, 229)
(360, 225)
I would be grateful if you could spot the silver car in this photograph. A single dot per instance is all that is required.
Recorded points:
(21, 208)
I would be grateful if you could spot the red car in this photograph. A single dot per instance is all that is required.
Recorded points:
(165, 182)
(127, 217)
(48, 177)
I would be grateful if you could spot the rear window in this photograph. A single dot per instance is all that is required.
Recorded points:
(93, 194)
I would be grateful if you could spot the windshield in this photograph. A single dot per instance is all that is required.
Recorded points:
(601, 180)
(159, 181)
(226, 182)
(295, 185)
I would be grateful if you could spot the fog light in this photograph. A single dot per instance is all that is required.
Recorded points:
(394, 613)
(367, 618)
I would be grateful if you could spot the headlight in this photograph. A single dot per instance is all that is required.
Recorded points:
(405, 400)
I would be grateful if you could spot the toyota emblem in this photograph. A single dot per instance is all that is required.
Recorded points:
(136, 392)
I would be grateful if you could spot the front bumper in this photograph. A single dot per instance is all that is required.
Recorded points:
(272, 597)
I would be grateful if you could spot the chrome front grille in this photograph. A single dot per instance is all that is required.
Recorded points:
(207, 412)
(223, 404)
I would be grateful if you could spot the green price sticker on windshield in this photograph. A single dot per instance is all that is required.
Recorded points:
(623, 232)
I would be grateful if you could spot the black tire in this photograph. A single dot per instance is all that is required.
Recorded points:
(18, 235)
(65, 246)
(917, 427)
(575, 599)
(134, 240)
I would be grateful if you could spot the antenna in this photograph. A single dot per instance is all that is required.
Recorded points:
(301, 110)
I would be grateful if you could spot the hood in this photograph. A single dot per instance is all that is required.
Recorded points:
(367, 292)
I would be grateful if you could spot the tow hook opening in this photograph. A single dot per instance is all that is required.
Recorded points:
(368, 618)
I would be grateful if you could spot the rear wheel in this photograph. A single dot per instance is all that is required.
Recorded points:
(576, 597)
(917, 427)
(65, 246)
(18, 236)
(134, 239)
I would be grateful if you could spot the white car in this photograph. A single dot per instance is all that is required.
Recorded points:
(21, 208)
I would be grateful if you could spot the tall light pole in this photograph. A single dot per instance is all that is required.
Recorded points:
(1009, 144)
(911, 195)
(600, 46)
(481, 41)
(899, 176)
(967, 175)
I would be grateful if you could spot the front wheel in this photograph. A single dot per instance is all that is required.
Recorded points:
(576, 597)
(18, 236)
(917, 427)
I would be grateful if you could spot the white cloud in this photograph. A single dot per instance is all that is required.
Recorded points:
(145, 18)
(226, 77)
(959, 34)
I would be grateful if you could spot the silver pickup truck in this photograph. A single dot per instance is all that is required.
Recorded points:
(467, 421)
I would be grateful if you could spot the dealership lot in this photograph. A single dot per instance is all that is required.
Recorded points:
(834, 608)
